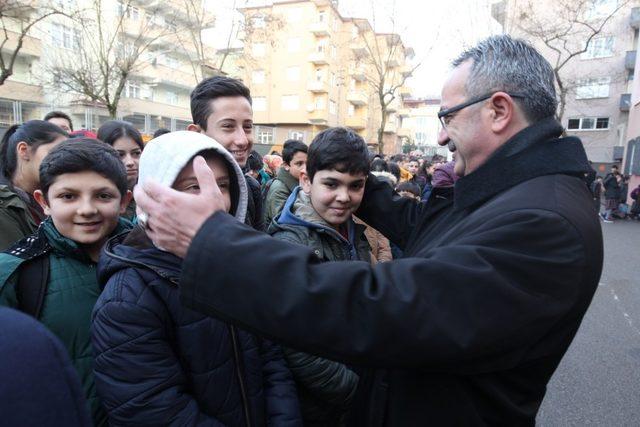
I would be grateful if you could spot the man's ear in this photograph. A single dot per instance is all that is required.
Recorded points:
(502, 110)
(194, 128)
(22, 150)
(286, 166)
(38, 195)
(124, 201)
(305, 182)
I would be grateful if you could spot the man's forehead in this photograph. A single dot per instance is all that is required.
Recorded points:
(453, 90)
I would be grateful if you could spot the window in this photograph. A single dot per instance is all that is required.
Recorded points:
(294, 14)
(265, 137)
(333, 80)
(322, 45)
(593, 88)
(588, 123)
(132, 89)
(298, 136)
(290, 102)
(258, 22)
(259, 50)
(171, 27)
(320, 105)
(172, 98)
(333, 107)
(600, 9)
(125, 9)
(259, 103)
(257, 77)
(599, 47)
(172, 62)
(319, 74)
(334, 51)
(354, 32)
(63, 36)
(351, 111)
(293, 74)
(293, 45)
(322, 15)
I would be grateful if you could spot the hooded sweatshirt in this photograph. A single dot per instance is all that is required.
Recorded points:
(158, 363)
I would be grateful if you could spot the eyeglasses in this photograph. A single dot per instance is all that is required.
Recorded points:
(445, 116)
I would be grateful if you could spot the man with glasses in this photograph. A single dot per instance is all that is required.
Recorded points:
(496, 276)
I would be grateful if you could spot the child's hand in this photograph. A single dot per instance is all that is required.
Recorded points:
(172, 217)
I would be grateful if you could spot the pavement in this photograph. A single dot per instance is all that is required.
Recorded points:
(598, 380)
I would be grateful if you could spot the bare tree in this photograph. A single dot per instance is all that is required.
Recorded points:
(259, 27)
(200, 19)
(17, 19)
(381, 55)
(565, 28)
(110, 47)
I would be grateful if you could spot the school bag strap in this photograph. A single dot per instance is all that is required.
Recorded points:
(32, 285)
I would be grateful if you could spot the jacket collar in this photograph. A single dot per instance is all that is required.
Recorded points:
(535, 151)
(287, 179)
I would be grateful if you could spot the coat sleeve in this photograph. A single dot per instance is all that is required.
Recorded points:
(279, 388)
(11, 230)
(137, 374)
(274, 202)
(389, 213)
(475, 304)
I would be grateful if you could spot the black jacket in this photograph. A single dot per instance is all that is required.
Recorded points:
(159, 363)
(254, 205)
(469, 326)
(611, 187)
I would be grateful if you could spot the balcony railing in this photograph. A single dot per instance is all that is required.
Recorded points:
(317, 86)
(356, 122)
(318, 58)
(357, 98)
(320, 29)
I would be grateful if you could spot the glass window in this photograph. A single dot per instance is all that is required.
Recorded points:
(322, 16)
(351, 110)
(298, 136)
(320, 105)
(602, 123)
(333, 107)
(132, 89)
(600, 8)
(259, 103)
(599, 47)
(593, 88)
(293, 73)
(265, 137)
(290, 102)
(172, 98)
(588, 123)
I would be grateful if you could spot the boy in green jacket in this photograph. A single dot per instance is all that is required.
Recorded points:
(319, 214)
(83, 190)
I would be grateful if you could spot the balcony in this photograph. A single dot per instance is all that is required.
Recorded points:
(634, 19)
(358, 98)
(404, 112)
(356, 123)
(357, 72)
(405, 91)
(406, 71)
(31, 46)
(317, 87)
(390, 127)
(318, 58)
(393, 107)
(404, 132)
(358, 49)
(392, 62)
(320, 29)
(630, 60)
(625, 102)
(318, 117)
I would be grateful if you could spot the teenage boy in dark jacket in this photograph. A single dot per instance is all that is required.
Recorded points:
(159, 363)
(319, 216)
(294, 159)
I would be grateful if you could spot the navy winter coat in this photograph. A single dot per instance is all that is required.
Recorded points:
(159, 363)
(40, 386)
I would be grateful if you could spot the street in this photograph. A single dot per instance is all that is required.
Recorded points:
(598, 381)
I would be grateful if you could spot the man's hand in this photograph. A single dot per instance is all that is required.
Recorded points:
(173, 217)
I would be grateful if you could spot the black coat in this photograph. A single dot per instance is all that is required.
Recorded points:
(159, 363)
(611, 187)
(468, 328)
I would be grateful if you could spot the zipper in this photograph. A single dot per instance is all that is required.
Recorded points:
(239, 374)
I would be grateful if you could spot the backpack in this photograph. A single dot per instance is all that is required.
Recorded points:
(32, 285)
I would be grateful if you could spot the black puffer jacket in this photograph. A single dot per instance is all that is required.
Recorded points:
(159, 363)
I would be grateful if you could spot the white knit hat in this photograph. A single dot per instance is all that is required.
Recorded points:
(165, 156)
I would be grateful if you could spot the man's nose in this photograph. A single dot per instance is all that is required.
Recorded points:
(443, 137)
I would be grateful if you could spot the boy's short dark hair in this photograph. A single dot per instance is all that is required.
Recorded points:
(58, 115)
(409, 187)
(210, 89)
(160, 132)
(291, 147)
(338, 149)
(80, 155)
(254, 161)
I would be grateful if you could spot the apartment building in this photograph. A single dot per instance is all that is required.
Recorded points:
(599, 80)
(631, 163)
(420, 125)
(156, 94)
(310, 68)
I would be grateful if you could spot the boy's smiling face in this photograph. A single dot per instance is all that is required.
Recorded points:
(334, 195)
(84, 207)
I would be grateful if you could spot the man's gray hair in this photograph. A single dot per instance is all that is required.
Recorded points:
(501, 63)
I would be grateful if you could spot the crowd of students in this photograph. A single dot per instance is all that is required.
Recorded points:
(77, 257)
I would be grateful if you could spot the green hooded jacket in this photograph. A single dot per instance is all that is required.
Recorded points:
(281, 187)
(16, 221)
(72, 291)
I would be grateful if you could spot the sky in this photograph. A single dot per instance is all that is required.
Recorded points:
(437, 30)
